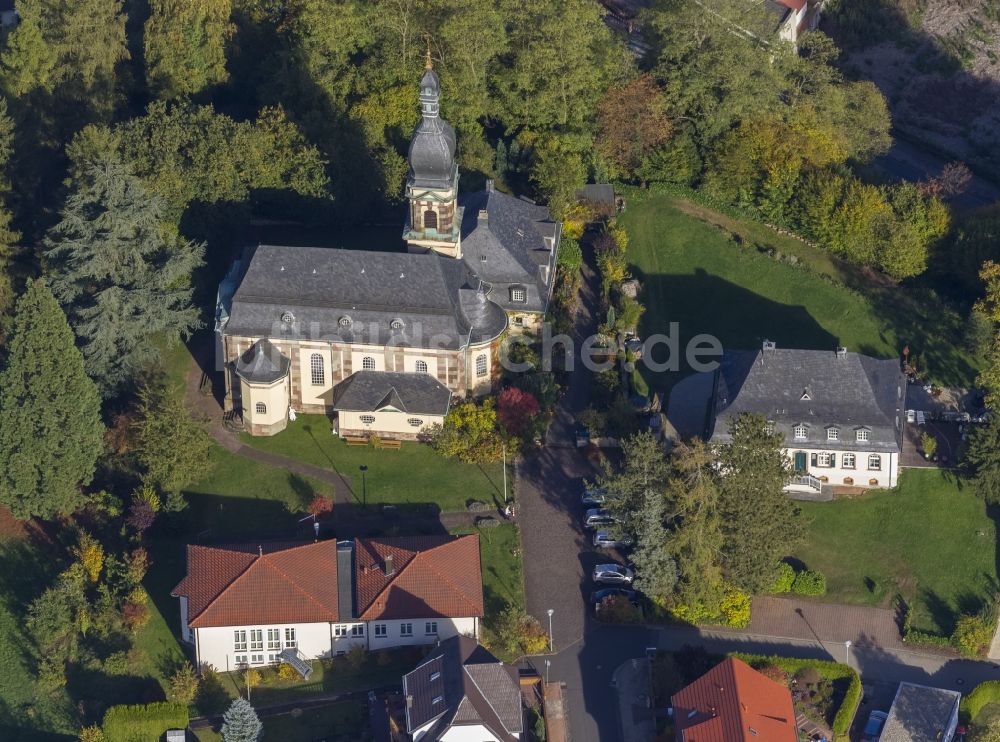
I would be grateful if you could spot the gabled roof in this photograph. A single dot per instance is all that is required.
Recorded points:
(921, 714)
(240, 584)
(732, 702)
(430, 576)
(815, 388)
(415, 393)
(471, 687)
(503, 242)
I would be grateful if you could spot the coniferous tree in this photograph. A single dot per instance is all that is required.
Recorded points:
(50, 425)
(185, 44)
(121, 271)
(759, 522)
(173, 449)
(8, 235)
(656, 570)
(240, 723)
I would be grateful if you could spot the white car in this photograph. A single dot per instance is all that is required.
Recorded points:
(613, 574)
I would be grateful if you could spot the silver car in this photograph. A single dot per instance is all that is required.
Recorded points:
(598, 518)
(613, 574)
(607, 540)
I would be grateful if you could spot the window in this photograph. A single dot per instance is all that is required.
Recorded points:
(431, 628)
(769, 427)
(406, 629)
(863, 434)
(848, 461)
(832, 434)
(519, 295)
(287, 317)
(380, 630)
(241, 660)
(875, 462)
(256, 659)
(437, 700)
(824, 459)
(240, 640)
(261, 408)
(368, 363)
(345, 321)
(273, 658)
(256, 640)
(800, 432)
(430, 219)
(340, 630)
(396, 324)
(316, 366)
(434, 676)
(421, 367)
(481, 365)
(415, 422)
(367, 419)
(290, 638)
(358, 630)
(519, 320)
(273, 639)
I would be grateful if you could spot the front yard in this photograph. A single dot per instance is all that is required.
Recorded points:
(931, 540)
(344, 721)
(413, 474)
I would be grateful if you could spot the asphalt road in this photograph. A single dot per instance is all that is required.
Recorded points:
(909, 162)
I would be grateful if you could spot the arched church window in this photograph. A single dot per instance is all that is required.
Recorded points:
(317, 370)
(261, 408)
(368, 363)
(430, 219)
(421, 367)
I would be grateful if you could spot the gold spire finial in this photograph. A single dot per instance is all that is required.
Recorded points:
(429, 64)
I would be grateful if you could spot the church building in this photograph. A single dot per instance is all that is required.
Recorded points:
(383, 341)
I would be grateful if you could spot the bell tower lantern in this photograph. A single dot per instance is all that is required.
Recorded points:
(434, 219)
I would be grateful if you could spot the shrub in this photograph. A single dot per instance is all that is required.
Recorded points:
(972, 635)
(618, 609)
(141, 723)
(355, 657)
(775, 673)
(320, 504)
(252, 677)
(980, 696)
(116, 663)
(183, 685)
(287, 673)
(735, 608)
(808, 582)
(928, 444)
(135, 615)
(808, 675)
(783, 579)
(92, 733)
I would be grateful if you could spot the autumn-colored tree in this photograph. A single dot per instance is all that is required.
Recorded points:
(633, 122)
(469, 433)
(320, 504)
(517, 410)
(89, 552)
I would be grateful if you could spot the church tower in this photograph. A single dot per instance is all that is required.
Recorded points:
(434, 220)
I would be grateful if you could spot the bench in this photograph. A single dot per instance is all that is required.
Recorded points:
(356, 440)
(390, 443)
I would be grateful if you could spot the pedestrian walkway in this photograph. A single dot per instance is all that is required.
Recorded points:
(824, 622)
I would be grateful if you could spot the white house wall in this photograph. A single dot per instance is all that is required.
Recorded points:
(215, 644)
(468, 733)
(446, 628)
(887, 477)
(391, 422)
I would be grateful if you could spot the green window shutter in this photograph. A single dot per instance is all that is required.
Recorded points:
(812, 459)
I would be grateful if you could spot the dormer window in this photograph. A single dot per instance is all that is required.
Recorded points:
(345, 321)
(833, 434)
(799, 431)
(518, 294)
(287, 317)
(863, 435)
(396, 324)
(805, 395)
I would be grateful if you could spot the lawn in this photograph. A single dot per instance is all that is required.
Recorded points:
(412, 474)
(500, 554)
(345, 720)
(704, 271)
(931, 540)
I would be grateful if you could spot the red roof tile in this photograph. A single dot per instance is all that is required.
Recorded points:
(732, 702)
(242, 584)
(432, 576)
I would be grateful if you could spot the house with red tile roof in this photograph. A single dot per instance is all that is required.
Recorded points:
(732, 702)
(260, 604)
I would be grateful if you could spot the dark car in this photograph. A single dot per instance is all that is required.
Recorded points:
(598, 596)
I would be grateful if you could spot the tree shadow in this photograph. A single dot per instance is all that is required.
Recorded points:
(304, 491)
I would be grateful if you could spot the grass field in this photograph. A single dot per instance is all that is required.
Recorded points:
(346, 720)
(412, 474)
(932, 541)
(694, 272)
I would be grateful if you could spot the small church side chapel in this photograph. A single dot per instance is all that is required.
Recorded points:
(383, 341)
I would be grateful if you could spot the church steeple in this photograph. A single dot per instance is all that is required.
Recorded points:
(434, 221)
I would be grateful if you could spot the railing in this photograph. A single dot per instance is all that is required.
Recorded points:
(805, 480)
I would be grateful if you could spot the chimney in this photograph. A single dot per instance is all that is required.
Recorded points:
(770, 346)
(260, 550)
(489, 185)
(841, 352)
(484, 215)
(390, 568)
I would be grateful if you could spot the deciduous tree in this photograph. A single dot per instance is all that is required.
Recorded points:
(184, 43)
(50, 424)
(470, 434)
(633, 123)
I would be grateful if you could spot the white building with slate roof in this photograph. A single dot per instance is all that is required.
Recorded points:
(296, 325)
(840, 413)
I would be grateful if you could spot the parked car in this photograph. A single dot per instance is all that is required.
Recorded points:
(613, 574)
(591, 497)
(598, 518)
(608, 540)
(599, 595)
(873, 728)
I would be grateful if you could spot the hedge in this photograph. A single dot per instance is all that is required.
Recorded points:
(982, 694)
(143, 723)
(828, 671)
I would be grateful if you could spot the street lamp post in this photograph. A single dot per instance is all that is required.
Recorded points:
(547, 664)
(364, 485)
(847, 645)
(550, 612)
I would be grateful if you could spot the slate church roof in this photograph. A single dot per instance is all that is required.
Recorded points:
(262, 363)
(461, 684)
(361, 296)
(815, 388)
(415, 393)
(510, 243)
